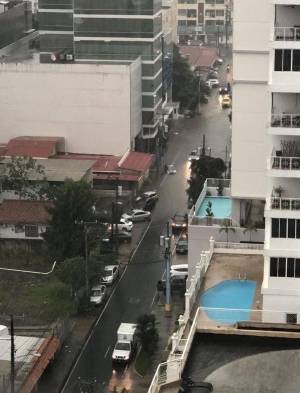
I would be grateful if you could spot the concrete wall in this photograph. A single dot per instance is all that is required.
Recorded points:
(169, 18)
(89, 105)
(8, 232)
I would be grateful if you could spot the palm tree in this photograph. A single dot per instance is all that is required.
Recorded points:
(226, 227)
(250, 227)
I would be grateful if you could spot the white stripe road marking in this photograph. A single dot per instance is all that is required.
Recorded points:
(102, 312)
(106, 353)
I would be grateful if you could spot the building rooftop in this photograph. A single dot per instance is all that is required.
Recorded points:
(24, 212)
(136, 161)
(199, 56)
(31, 146)
(20, 51)
(57, 170)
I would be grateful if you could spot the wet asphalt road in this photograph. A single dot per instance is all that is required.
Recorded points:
(134, 293)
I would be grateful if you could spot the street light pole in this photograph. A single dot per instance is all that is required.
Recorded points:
(12, 355)
(87, 286)
(165, 241)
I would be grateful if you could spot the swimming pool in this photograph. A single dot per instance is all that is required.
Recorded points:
(235, 296)
(221, 207)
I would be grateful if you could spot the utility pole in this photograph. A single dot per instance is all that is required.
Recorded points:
(12, 355)
(165, 241)
(203, 150)
(87, 286)
(226, 26)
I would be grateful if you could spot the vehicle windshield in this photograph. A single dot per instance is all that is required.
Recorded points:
(107, 273)
(122, 346)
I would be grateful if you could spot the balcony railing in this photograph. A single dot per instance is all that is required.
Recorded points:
(285, 120)
(286, 163)
(291, 33)
(278, 203)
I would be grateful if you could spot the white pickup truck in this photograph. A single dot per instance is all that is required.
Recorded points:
(126, 343)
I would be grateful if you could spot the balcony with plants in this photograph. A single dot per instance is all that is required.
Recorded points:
(285, 114)
(285, 158)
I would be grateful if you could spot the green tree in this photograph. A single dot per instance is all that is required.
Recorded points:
(73, 203)
(208, 210)
(202, 169)
(147, 332)
(250, 227)
(18, 172)
(185, 83)
(226, 227)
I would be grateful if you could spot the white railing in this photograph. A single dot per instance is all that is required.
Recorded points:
(240, 246)
(289, 33)
(201, 196)
(211, 221)
(286, 163)
(277, 203)
(171, 370)
(285, 120)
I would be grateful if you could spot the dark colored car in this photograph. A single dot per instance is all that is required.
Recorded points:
(190, 386)
(122, 236)
(178, 284)
(182, 246)
(179, 222)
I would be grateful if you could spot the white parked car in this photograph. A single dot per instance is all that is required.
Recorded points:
(110, 274)
(212, 83)
(137, 215)
(98, 294)
(171, 170)
(123, 225)
(180, 270)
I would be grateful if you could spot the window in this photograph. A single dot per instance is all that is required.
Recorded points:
(291, 318)
(296, 60)
(219, 12)
(275, 227)
(291, 228)
(210, 13)
(287, 60)
(285, 228)
(284, 267)
(31, 231)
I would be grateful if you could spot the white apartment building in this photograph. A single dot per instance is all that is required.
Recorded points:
(266, 141)
(97, 108)
(203, 20)
(169, 19)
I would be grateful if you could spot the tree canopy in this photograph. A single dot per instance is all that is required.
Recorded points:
(17, 177)
(185, 83)
(205, 167)
(72, 204)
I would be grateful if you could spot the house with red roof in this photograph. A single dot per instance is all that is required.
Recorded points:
(23, 219)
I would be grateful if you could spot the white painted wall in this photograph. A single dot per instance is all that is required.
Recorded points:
(96, 107)
(7, 231)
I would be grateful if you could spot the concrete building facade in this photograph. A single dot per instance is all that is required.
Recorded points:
(95, 107)
(204, 20)
(265, 140)
(109, 31)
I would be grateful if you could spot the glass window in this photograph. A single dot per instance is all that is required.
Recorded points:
(115, 7)
(281, 267)
(286, 66)
(278, 60)
(296, 60)
(282, 229)
(298, 229)
(56, 21)
(291, 228)
(290, 267)
(31, 231)
(273, 267)
(297, 268)
(275, 227)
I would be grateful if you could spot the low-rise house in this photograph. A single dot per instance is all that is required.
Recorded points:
(23, 220)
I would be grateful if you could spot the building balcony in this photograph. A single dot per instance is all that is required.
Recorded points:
(284, 124)
(284, 166)
(290, 33)
(279, 203)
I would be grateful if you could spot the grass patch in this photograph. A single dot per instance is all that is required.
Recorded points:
(142, 363)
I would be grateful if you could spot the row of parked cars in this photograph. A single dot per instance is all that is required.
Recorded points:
(99, 292)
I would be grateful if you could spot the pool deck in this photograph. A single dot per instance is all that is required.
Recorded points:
(232, 267)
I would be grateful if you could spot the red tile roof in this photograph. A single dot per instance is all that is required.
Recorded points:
(24, 212)
(36, 147)
(136, 161)
(199, 56)
(107, 164)
(116, 177)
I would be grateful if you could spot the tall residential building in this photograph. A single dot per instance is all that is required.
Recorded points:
(106, 31)
(204, 20)
(266, 141)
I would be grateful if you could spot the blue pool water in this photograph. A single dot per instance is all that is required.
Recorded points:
(221, 207)
(234, 295)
